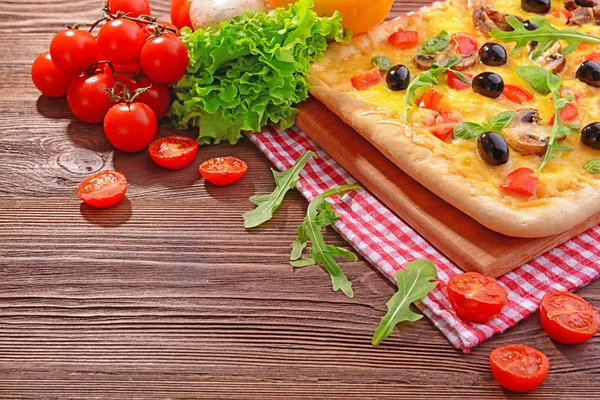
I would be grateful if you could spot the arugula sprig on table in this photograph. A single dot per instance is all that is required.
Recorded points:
(428, 79)
(267, 204)
(319, 215)
(414, 283)
(544, 82)
(545, 36)
(470, 130)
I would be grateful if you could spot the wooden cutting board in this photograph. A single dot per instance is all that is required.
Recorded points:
(469, 244)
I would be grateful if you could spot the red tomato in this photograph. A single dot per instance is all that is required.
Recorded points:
(567, 318)
(594, 56)
(561, 12)
(366, 79)
(89, 99)
(475, 297)
(518, 367)
(130, 127)
(443, 131)
(133, 8)
(517, 94)
(522, 181)
(74, 51)
(455, 83)
(121, 41)
(164, 58)
(103, 189)
(567, 114)
(180, 13)
(157, 97)
(431, 99)
(125, 72)
(223, 170)
(173, 152)
(404, 39)
(464, 43)
(149, 29)
(47, 78)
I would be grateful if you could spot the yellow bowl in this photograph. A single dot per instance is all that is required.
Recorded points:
(359, 15)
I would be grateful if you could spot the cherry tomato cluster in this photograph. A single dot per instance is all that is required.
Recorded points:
(120, 76)
(566, 318)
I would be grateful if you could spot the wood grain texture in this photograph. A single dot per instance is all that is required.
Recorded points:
(167, 296)
(469, 244)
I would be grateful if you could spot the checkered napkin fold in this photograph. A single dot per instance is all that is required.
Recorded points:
(388, 243)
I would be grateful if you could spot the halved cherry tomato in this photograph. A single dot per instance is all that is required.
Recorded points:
(431, 99)
(518, 367)
(223, 170)
(476, 297)
(567, 114)
(567, 318)
(366, 79)
(455, 83)
(517, 94)
(103, 189)
(464, 43)
(522, 181)
(404, 39)
(173, 152)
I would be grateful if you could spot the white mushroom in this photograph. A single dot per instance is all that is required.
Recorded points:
(205, 13)
(551, 59)
(525, 134)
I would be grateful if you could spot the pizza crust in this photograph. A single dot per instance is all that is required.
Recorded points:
(394, 140)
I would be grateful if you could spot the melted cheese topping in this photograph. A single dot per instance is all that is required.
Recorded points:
(560, 176)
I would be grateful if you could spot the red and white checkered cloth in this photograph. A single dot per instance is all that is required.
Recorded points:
(388, 243)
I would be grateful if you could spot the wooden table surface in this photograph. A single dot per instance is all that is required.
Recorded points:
(167, 296)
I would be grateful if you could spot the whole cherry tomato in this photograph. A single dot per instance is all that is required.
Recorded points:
(133, 8)
(103, 189)
(164, 58)
(173, 152)
(149, 29)
(158, 96)
(130, 127)
(180, 13)
(476, 297)
(567, 318)
(47, 78)
(89, 98)
(74, 51)
(518, 367)
(223, 170)
(121, 41)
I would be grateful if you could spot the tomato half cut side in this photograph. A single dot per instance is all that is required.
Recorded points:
(519, 368)
(476, 297)
(103, 189)
(173, 152)
(567, 318)
(464, 43)
(223, 170)
(431, 100)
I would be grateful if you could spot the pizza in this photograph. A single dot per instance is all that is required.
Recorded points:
(491, 105)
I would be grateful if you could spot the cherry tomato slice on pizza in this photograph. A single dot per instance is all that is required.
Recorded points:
(223, 170)
(431, 100)
(522, 181)
(519, 368)
(476, 297)
(567, 318)
(173, 152)
(455, 83)
(567, 114)
(517, 94)
(404, 39)
(464, 43)
(366, 79)
(103, 189)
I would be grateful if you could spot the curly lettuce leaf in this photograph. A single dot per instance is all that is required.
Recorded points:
(250, 71)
